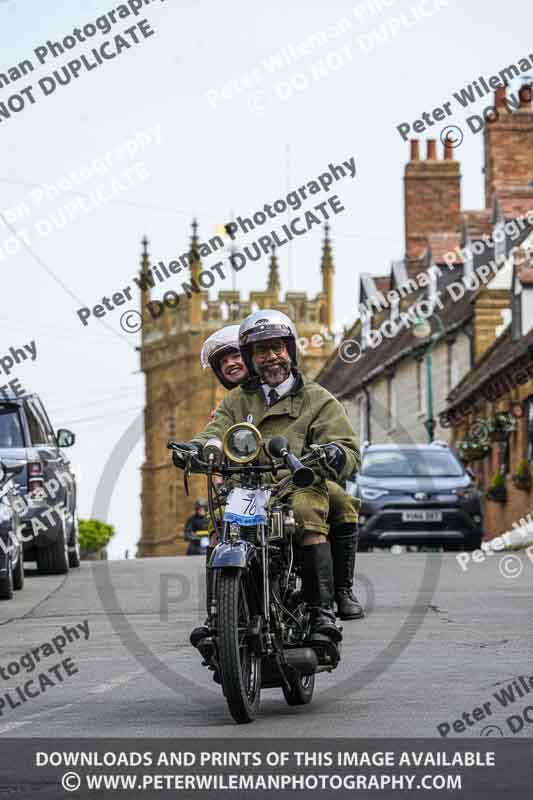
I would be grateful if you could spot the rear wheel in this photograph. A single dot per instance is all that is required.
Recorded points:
(53, 560)
(240, 667)
(6, 583)
(301, 691)
(18, 572)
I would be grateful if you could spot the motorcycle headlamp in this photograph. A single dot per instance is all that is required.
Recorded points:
(242, 443)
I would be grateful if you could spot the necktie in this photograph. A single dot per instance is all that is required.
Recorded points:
(272, 397)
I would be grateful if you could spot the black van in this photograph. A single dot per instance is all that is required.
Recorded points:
(46, 483)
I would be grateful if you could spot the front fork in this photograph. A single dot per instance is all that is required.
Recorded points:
(263, 540)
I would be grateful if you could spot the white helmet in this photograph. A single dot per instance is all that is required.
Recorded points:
(224, 341)
(267, 323)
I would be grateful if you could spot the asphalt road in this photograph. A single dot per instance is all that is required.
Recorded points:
(436, 642)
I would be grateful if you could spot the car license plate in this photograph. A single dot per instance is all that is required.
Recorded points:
(422, 516)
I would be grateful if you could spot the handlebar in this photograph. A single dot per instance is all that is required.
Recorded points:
(302, 474)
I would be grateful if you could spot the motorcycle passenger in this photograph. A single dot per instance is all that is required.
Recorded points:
(221, 352)
(278, 400)
(195, 525)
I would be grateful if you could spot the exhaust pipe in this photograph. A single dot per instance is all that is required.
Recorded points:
(303, 659)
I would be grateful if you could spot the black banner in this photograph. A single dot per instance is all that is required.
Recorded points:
(242, 768)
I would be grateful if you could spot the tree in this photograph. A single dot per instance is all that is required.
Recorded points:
(94, 534)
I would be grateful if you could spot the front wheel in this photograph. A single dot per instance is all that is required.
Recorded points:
(240, 667)
(301, 691)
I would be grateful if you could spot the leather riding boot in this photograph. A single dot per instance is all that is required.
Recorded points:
(317, 580)
(343, 540)
(202, 631)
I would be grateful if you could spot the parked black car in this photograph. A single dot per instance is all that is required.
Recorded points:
(47, 485)
(417, 495)
(11, 556)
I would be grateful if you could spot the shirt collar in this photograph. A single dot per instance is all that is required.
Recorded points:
(282, 389)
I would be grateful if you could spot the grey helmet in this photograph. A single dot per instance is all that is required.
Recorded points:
(224, 341)
(267, 323)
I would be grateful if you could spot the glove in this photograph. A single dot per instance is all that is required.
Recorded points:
(335, 457)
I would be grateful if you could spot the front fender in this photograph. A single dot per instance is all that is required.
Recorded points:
(232, 554)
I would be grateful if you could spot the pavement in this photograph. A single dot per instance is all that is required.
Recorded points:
(436, 643)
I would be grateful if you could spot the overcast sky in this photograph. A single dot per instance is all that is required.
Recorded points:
(232, 136)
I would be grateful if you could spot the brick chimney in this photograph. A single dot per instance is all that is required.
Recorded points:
(432, 196)
(509, 144)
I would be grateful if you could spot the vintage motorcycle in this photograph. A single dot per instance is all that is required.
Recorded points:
(258, 622)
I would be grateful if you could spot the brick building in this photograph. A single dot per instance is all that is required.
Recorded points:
(180, 395)
(385, 389)
(491, 410)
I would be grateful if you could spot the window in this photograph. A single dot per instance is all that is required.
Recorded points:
(39, 408)
(38, 434)
(410, 463)
(10, 427)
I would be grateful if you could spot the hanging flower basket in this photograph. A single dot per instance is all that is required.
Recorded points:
(497, 491)
(522, 477)
(471, 450)
(501, 426)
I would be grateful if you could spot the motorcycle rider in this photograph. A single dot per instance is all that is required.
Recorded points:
(221, 353)
(196, 523)
(278, 400)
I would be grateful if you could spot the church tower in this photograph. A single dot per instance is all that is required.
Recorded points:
(179, 394)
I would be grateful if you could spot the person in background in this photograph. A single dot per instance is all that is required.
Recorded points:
(196, 523)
